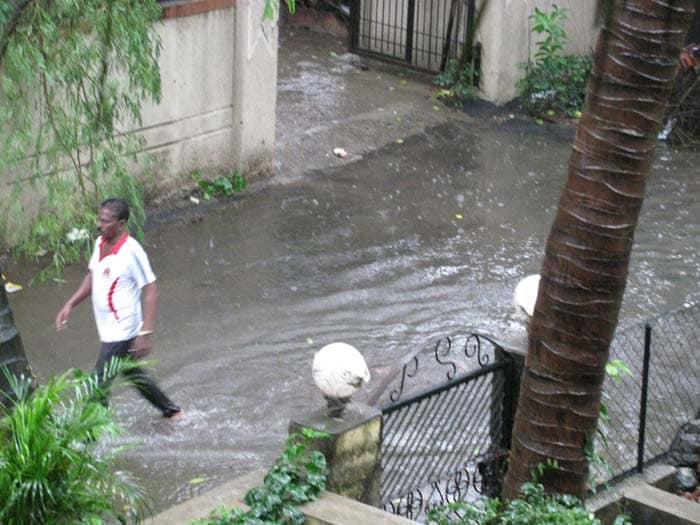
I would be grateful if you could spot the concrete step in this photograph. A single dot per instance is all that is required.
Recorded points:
(648, 505)
(329, 509)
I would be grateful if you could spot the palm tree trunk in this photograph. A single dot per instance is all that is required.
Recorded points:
(587, 253)
(12, 358)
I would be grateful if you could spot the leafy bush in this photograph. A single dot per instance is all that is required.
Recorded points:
(554, 85)
(533, 507)
(457, 82)
(52, 469)
(298, 476)
(221, 186)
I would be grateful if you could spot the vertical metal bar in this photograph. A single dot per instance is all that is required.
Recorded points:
(409, 30)
(643, 403)
(427, 32)
(435, 35)
(394, 29)
(468, 53)
(511, 387)
(355, 9)
(383, 25)
(374, 25)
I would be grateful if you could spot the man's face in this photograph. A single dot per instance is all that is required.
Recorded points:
(109, 226)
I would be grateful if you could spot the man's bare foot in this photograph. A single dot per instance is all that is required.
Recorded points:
(176, 416)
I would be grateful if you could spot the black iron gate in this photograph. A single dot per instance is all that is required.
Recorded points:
(448, 441)
(425, 34)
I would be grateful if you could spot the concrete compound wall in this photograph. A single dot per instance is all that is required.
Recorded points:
(191, 128)
(218, 67)
(219, 74)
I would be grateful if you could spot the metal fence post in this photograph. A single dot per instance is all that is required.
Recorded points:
(410, 30)
(512, 371)
(355, 8)
(643, 402)
(504, 401)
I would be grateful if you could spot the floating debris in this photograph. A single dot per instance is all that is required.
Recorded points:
(340, 152)
(11, 287)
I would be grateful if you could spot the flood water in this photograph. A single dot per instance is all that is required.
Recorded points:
(414, 241)
(419, 240)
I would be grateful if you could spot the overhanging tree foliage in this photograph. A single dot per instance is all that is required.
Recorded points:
(74, 74)
(73, 77)
(587, 253)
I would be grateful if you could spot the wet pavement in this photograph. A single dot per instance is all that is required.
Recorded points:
(422, 232)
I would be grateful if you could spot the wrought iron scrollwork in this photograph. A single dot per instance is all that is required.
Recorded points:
(396, 393)
(472, 347)
(411, 505)
(440, 355)
(483, 476)
(455, 488)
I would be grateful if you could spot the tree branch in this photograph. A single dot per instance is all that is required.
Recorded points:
(12, 23)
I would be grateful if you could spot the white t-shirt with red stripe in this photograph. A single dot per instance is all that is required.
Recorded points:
(117, 279)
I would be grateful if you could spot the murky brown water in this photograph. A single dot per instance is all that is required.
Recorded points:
(422, 239)
(417, 240)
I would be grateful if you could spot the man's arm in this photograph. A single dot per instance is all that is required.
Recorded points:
(149, 294)
(83, 291)
(143, 343)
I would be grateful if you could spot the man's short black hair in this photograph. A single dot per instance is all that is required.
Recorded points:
(118, 206)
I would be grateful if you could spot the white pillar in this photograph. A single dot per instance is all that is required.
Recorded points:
(254, 88)
(504, 36)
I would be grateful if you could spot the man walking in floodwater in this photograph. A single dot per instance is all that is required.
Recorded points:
(119, 277)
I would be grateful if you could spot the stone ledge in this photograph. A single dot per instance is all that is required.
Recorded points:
(329, 509)
(180, 8)
(647, 504)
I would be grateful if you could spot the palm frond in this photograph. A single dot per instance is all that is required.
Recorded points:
(52, 467)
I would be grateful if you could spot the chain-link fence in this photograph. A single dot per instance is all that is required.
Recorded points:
(647, 408)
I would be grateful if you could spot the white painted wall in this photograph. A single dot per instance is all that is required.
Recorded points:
(219, 92)
(254, 88)
(191, 127)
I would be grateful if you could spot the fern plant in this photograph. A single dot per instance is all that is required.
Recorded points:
(52, 467)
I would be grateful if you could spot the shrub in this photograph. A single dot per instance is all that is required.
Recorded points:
(554, 85)
(221, 186)
(457, 82)
(52, 469)
(533, 507)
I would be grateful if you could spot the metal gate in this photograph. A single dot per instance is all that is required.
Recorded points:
(447, 442)
(422, 33)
